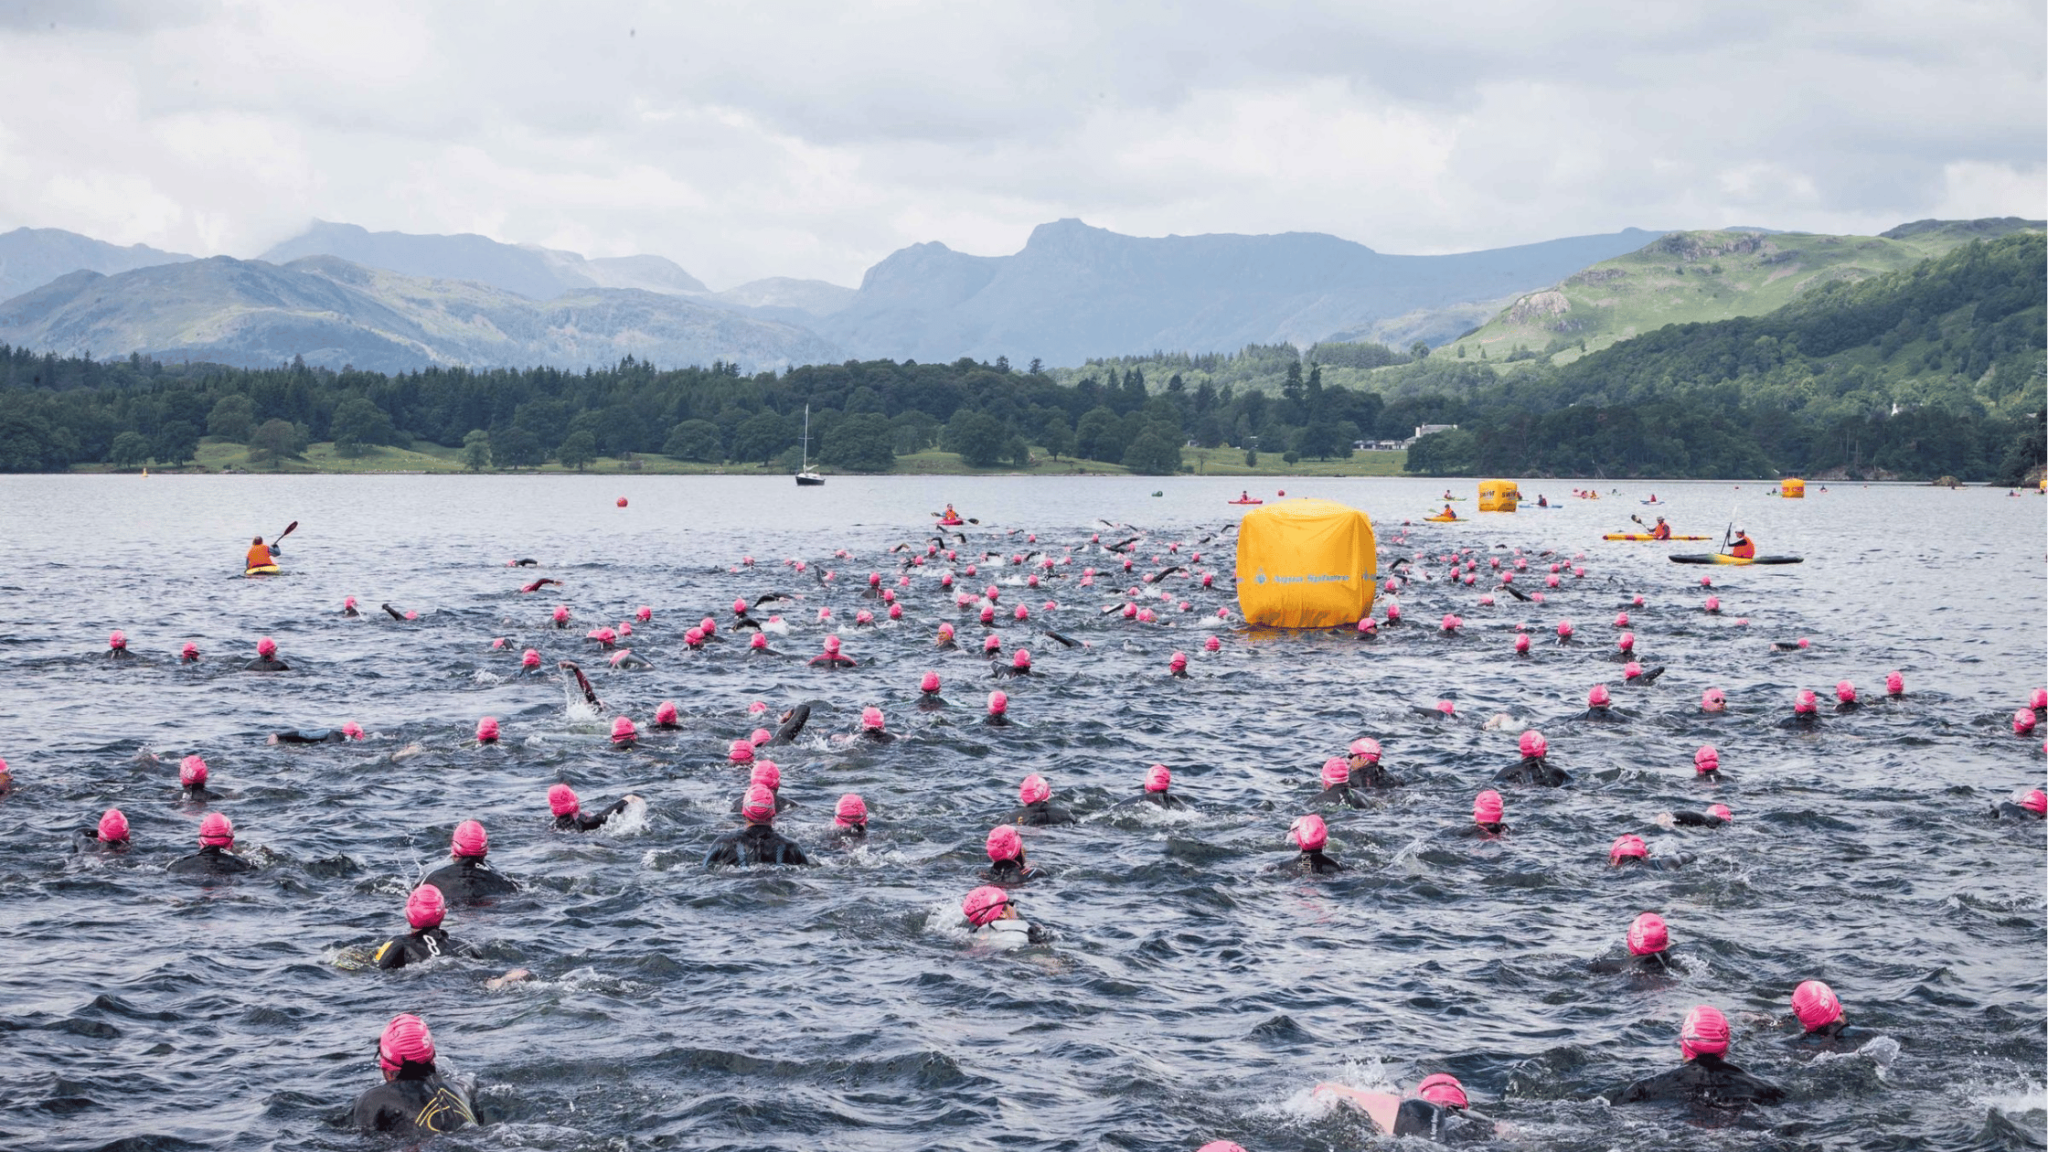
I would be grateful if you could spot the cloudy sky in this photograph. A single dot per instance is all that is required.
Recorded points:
(812, 139)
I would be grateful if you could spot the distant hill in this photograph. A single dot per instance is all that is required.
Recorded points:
(1694, 277)
(533, 272)
(251, 313)
(33, 256)
(1076, 292)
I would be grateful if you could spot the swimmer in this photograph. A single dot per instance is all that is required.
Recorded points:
(1020, 665)
(665, 715)
(424, 910)
(397, 615)
(998, 709)
(1713, 700)
(1177, 667)
(339, 735)
(758, 842)
(2034, 806)
(1065, 642)
(1820, 1015)
(1845, 698)
(1706, 762)
(539, 584)
(467, 879)
(765, 774)
(1158, 785)
(348, 608)
(1534, 767)
(1894, 685)
(1649, 947)
(266, 658)
(192, 782)
(792, 723)
(1034, 797)
(214, 858)
(1633, 675)
(1311, 835)
(2023, 722)
(1805, 711)
(583, 682)
(945, 641)
(1488, 816)
(832, 657)
(850, 821)
(928, 698)
(1336, 782)
(624, 661)
(189, 654)
(871, 727)
(1007, 864)
(1437, 1112)
(1706, 1078)
(1715, 816)
(560, 616)
(1364, 758)
(1599, 707)
(993, 915)
(487, 730)
(757, 645)
(1630, 849)
(569, 813)
(117, 646)
(413, 1101)
(110, 837)
(624, 733)
(527, 562)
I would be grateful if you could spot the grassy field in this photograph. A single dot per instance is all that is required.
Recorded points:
(215, 455)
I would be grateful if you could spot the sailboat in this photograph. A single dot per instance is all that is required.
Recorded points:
(807, 478)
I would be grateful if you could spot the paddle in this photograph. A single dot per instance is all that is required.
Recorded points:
(969, 519)
(279, 538)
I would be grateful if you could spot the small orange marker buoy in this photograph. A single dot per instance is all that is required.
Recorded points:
(622, 501)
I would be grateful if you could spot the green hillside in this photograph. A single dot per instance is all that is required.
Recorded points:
(1698, 277)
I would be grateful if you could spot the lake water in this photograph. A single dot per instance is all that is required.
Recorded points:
(1189, 995)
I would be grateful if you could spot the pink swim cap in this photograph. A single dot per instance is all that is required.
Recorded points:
(984, 905)
(1367, 747)
(1336, 770)
(405, 1041)
(831, 643)
(863, 617)
(643, 613)
(1004, 843)
(469, 840)
(426, 907)
(1309, 832)
(2039, 699)
(1713, 700)
(1158, 778)
(1631, 670)
(1522, 643)
(113, 827)
(1033, 789)
(930, 683)
(1722, 811)
(1365, 624)
(998, 702)
(1447, 708)
(1706, 759)
(1532, 743)
(1648, 935)
(1487, 808)
(991, 643)
(1212, 644)
(2035, 801)
(1021, 658)
(695, 636)
(1451, 623)
(851, 811)
(1442, 1089)
(266, 647)
(1845, 692)
(216, 831)
(665, 714)
(487, 729)
(1178, 661)
(895, 611)
(741, 752)
(191, 770)
(1704, 1032)
(117, 640)
(758, 640)
(529, 658)
(190, 651)
(758, 805)
(1621, 620)
(1713, 604)
(561, 613)
(1626, 641)
(871, 718)
(1393, 612)
(1627, 844)
(1021, 612)
(1598, 698)
(348, 601)
(352, 730)
(1806, 701)
(1221, 1146)
(562, 800)
(739, 606)
(1815, 1005)
(767, 774)
(1564, 628)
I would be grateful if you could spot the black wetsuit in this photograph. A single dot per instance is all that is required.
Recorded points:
(1166, 800)
(997, 720)
(1486, 831)
(1835, 1037)
(2007, 810)
(1011, 672)
(1705, 1080)
(1699, 819)
(1806, 720)
(120, 654)
(395, 613)
(586, 821)
(1533, 770)
(196, 794)
(311, 736)
(1038, 815)
(419, 1103)
(419, 946)
(1648, 678)
(1312, 863)
(1012, 872)
(1653, 962)
(1372, 775)
(930, 702)
(266, 664)
(349, 610)
(1605, 714)
(877, 736)
(1343, 795)
(1842, 706)
(792, 724)
(467, 879)
(211, 860)
(1440, 1123)
(1668, 863)
(853, 836)
(88, 840)
(754, 844)
(832, 660)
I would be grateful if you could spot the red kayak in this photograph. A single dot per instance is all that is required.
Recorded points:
(1247, 501)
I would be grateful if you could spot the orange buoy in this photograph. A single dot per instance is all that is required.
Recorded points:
(622, 501)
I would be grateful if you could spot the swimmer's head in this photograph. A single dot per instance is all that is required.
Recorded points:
(1446, 708)
(348, 601)
(998, 702)
(1451, 623)
(562, 800)
(1713, 700)
(191, 770)
(644, 613)
(930, 683)
(1845, 692)
(1021, 659)
(1221, 1146)
(1626, 642)
(1713, 604)
(985, 905)
(189, 652)
(740, 752)
(1564, 629)
(113, 827)
(1532, 744)
(1367, 749)
(1178, 662)
(1805, 702)
(1212, 644)
(266, 647)
(1336, 770)
(945, 632)
(831, 643)
(757, 640)
(895, 611)
(851, 811)
(470, 841)
(767, 774)
(1631, 670)
(863, 617)
(1522, 642)
(665, 714)
(1158, 778)
(561, 613)
(1648, 935)
(871, 719)
(1366, 626)
(405, 1041)
(1487, 808)
(991, 643)
(118, 640)
(352, 730)
(2039, 699)
(1706, 759)
(1815, 1005)
(1627, 846)
(216, 831)
(487, 729)
(1309, 833)
(2023, 721)
(695, 636)
(1705, 1032)
(529, 658)
(1621, 620)
(758, 805)
(1034, 790)
(1720, 810)
(426, 907)
(1598, 697)
(874, 579)
(1442, 1089)
(1004, 843)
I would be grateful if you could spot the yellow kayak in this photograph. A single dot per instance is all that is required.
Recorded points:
(1644, 536)
(1442, 519)
(265, 570)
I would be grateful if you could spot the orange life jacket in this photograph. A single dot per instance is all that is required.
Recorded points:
(1661, 532)
(259, 556)
(1743, 550)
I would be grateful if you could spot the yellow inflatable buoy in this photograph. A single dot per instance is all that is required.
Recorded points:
(1498, 495)
(1792, 489)
(1306, 564)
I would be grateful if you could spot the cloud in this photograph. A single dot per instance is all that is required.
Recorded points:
(813, 139)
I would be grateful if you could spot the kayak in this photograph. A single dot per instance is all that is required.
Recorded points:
(1719, 558)
(1247, 501)
(1643, 536)
(1381, 1106)
(264, 570)
(951, 523)
(1441, 519)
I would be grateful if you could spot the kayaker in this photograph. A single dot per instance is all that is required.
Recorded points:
(1448, 514)
(1743, 548)
(259, 555)
(1662, 531)
(1244, 497)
